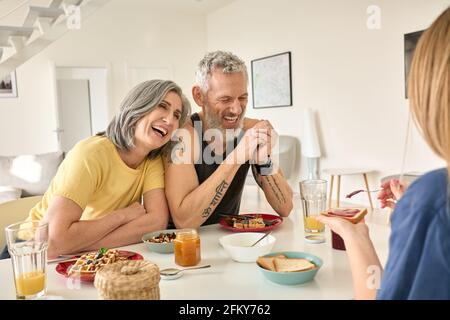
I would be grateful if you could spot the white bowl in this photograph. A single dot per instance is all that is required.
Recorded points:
(238, 245)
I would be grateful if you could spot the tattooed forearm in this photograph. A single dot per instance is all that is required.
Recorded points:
(219, 193)
(272, 184)
(281, 192)
(257, 177)
(216, 199)
(273, 189)
(276, 189)
(206, 212)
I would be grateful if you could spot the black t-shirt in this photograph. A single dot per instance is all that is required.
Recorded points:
(231, 200)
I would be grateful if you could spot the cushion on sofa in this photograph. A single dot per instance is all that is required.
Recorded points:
(9, 194)
(30, 173)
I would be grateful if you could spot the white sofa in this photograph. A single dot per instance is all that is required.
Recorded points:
(27, 175)
(23, 181)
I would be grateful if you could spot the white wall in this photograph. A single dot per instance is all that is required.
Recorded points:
(120, 35)
(352, 76)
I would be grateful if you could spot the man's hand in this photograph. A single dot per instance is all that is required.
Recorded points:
(264, 150)
(256, 144)
(391, 192)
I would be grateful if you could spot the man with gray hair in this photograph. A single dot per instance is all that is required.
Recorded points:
(205, 176)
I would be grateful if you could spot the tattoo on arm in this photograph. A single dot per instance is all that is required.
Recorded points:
(279, 189)
(276, 189)
(206, 212)
(273, 185)
(174, 150)
(216, 199)
(257, 177)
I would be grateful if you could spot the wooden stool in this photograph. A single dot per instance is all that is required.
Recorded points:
(345, 172)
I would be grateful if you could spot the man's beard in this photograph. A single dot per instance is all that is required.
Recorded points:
(215, 122)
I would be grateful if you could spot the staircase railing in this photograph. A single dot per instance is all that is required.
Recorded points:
(41, 27)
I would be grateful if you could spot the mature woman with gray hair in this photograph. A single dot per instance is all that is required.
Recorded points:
(109, 190)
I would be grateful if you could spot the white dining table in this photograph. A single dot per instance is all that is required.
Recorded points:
(227, 279)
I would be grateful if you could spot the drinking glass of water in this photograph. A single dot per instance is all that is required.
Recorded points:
(27, 245)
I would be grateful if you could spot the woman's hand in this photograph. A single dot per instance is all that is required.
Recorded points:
(360, 251)
(133, 211)
(345, 228)
(391, 191)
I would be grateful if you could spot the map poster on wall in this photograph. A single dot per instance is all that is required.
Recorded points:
(271, 81)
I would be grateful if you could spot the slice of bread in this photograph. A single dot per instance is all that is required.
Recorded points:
(267, 262)
(354, 215)
(292, 265)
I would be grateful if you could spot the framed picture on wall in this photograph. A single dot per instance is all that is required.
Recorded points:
(8, 86)
(271, 81)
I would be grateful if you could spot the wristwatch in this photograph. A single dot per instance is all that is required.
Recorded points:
(264, 169)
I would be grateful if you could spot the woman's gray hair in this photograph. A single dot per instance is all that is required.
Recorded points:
(140, 101)
(225, 61)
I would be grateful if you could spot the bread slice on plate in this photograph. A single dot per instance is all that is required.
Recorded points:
(353, 215)
(293, 265)
(267, 262)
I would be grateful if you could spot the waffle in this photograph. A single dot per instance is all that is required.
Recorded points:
(93, 261)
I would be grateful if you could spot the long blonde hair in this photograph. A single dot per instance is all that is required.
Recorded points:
(428, 86)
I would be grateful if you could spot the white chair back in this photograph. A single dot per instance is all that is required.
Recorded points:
(288, 154)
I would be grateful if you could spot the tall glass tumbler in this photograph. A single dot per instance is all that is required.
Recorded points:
(313, 194)
(27, 245)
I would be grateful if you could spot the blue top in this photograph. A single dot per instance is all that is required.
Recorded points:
(418, 266)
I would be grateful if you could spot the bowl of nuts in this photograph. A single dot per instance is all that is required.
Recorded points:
(160, 241)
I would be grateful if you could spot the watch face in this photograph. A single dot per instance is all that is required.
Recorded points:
(265, 165)
(266, 171)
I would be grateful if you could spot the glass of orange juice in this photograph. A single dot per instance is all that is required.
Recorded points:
(313, 194)
(187, 247)
(27, 245)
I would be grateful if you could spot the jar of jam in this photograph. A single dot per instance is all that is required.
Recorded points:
(337, 241)
(187, 247)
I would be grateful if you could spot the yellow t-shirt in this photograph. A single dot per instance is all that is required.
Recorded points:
(94, 176)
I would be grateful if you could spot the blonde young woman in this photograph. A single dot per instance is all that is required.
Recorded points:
(95, 198)
(418, 266)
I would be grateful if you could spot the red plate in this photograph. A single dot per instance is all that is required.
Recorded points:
(63, 267)
(275, 220)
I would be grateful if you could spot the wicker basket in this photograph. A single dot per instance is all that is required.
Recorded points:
(128, 280)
